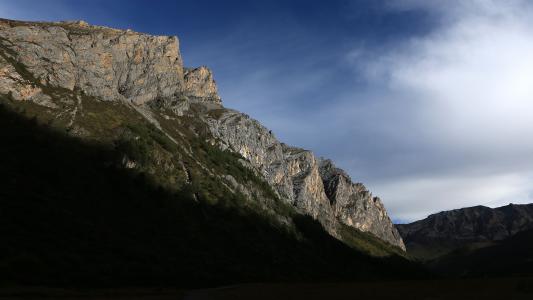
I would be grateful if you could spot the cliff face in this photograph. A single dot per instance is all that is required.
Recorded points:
(313, 185)
(445, 231)
(199, 84)
(355, 206)
(103, 62)
(146, 72)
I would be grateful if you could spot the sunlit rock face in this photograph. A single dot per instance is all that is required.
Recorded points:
(107, 63)
(147, 72)
(355, 206)
(313, 185)
(199, 84)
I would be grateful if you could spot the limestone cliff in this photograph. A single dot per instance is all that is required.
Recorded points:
(313, 185)
(355, 206)
(199, 84)
(146, 72)
(107, 63)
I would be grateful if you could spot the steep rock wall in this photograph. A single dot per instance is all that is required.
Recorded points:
(313, 185)
(106, 63)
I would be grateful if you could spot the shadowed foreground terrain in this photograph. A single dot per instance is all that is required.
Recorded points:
(510, 257)
(501, 288)
(422, 289)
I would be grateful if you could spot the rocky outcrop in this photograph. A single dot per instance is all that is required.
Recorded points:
(199, 84)
(147, 72)
(355, 206)
(313, 185)
(13, 84)
(292, 171)
(443, 232)
(106, 63)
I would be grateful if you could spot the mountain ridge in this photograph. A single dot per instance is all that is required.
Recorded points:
(443, 232)
(45, 61)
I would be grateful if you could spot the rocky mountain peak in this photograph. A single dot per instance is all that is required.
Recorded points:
(328, 170)
(107, 63)
(199, 84)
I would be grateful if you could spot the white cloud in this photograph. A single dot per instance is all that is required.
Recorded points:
(468, 89)
(414, 198)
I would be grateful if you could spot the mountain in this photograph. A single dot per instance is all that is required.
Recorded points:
(472, 228)
(122, 166)
(511, 257)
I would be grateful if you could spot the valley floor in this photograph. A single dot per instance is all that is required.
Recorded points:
(500, 288)
(506, 288)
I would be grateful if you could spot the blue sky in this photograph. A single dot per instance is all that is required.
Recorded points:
(429, 103)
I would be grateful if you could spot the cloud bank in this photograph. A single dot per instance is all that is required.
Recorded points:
(465, 92)
(430, 121)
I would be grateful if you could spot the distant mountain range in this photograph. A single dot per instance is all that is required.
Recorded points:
(443, 232)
